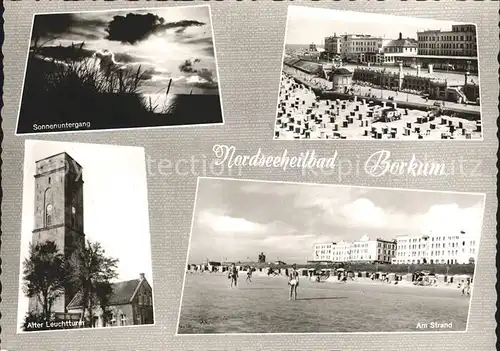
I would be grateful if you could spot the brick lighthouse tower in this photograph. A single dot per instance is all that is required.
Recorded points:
(58, 215)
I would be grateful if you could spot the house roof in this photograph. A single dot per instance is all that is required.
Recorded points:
(341, 71)
(403, 42)
(122, 293)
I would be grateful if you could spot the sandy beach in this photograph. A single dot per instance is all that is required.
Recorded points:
(302, 115)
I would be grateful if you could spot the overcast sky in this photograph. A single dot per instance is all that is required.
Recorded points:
(159, 42)
(308, 25)
(236, 220)
(115, 203)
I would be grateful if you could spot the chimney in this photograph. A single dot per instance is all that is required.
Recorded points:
(142, 276)
(400, 35)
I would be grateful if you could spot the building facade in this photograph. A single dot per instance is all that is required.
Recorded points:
(58, 215)
(351, 46)
(341, 79)
(333, 45)
(324, 251)
(401, 46)
(130, 303)
(460, 41)
(362, 250)
(455, 248)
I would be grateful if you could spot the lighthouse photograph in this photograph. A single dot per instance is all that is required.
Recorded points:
(85, 241)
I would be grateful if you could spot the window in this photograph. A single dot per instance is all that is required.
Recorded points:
(48, 215)
(123, 319)
(112, 322)
(73, 216)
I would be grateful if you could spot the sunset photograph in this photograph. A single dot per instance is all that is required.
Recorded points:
(120, 69)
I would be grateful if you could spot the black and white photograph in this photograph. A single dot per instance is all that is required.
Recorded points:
(280, 257)
(120, 69)
(365, 76)
(85, 241)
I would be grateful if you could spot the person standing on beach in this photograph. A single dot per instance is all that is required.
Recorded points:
(249, 275)
(293, 282)
(233, 274)
(466, 287)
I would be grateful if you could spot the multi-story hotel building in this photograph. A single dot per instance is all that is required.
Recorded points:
(351, 46)
(333, 45)
(446, 50)
(362, 250)
(455, 248)
(460, 41)
(324, 251)
(365, 48)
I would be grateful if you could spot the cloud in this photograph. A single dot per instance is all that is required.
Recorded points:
(209, 50)
(108, 63)
(188, 66)
(76, 52)
(49, 25)
(205, 40)
(124, 57)
(357, 209)
(52, 26)
(134, 28)
(450, 218)
(200, 77)
(224, 224)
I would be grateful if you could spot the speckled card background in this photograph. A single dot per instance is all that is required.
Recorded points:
(249, 39)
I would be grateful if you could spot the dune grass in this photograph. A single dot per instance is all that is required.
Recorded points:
(75, 86)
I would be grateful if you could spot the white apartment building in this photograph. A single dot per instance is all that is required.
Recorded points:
(401, 47)
(455, 248)
(460, 41)
(323, 252)
(350, 46)
(363, 250)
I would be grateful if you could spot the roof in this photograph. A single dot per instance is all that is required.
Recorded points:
(341, 71)
(303, 65)
(403, 42)
(123, 293)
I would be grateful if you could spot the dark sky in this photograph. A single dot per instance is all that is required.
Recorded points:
(159, 41)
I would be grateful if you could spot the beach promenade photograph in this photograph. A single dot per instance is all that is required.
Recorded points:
(120, 69)
(277, 257)
(361, 76)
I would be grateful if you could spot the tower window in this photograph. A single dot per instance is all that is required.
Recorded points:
(73, 216)
(49, 180)
(48, 215)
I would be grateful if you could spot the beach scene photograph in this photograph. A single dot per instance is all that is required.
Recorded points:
(120, 69)
(277, 257)
(365, 76)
